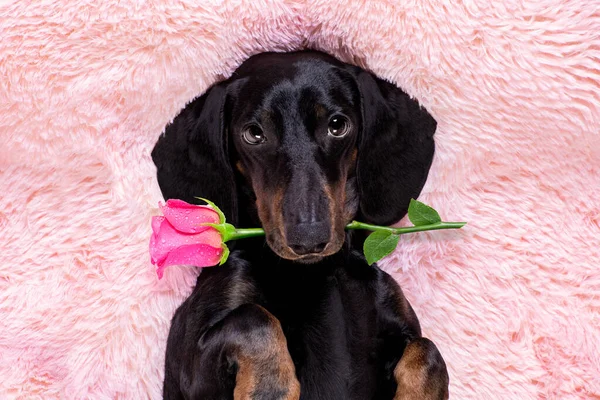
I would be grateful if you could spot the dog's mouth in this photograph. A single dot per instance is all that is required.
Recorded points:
(278, 245)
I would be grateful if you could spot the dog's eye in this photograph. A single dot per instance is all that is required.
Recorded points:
(338, 126)
(252, 134)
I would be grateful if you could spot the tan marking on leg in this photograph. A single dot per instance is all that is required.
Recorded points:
(416, 378)
(265, 365)
(245, 379)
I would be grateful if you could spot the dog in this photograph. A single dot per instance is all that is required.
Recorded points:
(299, 143)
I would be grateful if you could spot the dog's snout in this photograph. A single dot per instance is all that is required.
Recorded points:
(308, 238)
(306, 214)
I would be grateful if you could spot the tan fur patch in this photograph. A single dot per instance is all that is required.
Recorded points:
(415, 379)
(320, 111)
(245, 380)
(336, 196)
(265, 365)
(240, 167)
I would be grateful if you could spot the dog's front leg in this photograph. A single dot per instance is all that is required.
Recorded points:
(247, 350)
(421, 372)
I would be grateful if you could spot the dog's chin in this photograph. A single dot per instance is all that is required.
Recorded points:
(309, 259)
(287, 253)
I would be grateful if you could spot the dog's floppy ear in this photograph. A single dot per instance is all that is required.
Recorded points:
(192, 157)
(395, 150)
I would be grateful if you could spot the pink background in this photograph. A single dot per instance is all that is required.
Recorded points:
(86, 87)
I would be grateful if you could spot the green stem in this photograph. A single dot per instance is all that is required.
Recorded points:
(254, 232)
(246, 233)
(407, 229)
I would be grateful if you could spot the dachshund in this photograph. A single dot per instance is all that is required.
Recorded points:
(300, 144)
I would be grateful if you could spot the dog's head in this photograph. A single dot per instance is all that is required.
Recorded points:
(314, 143)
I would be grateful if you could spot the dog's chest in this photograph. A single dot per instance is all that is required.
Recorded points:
(330, 323)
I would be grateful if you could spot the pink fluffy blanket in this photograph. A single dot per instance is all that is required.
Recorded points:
(512, 300)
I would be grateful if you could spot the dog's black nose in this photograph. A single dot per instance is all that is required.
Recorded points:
(308, 238)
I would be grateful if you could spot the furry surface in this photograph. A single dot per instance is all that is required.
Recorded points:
(512, 300)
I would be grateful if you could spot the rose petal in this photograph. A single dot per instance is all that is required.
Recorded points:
(156, 222)
(187, 217)
(166, 239)
(154, 254)
(198, 255)
(156, 257)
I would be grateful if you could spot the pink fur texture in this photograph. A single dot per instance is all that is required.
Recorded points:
(86, 87)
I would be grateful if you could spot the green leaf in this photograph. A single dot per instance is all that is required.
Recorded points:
(379, 244)
(421, 214)
(225, 254)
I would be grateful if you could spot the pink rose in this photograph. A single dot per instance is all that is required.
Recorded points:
(195, 235)
(179, 238)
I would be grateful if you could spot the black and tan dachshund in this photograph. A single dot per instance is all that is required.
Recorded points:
(300, 144)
